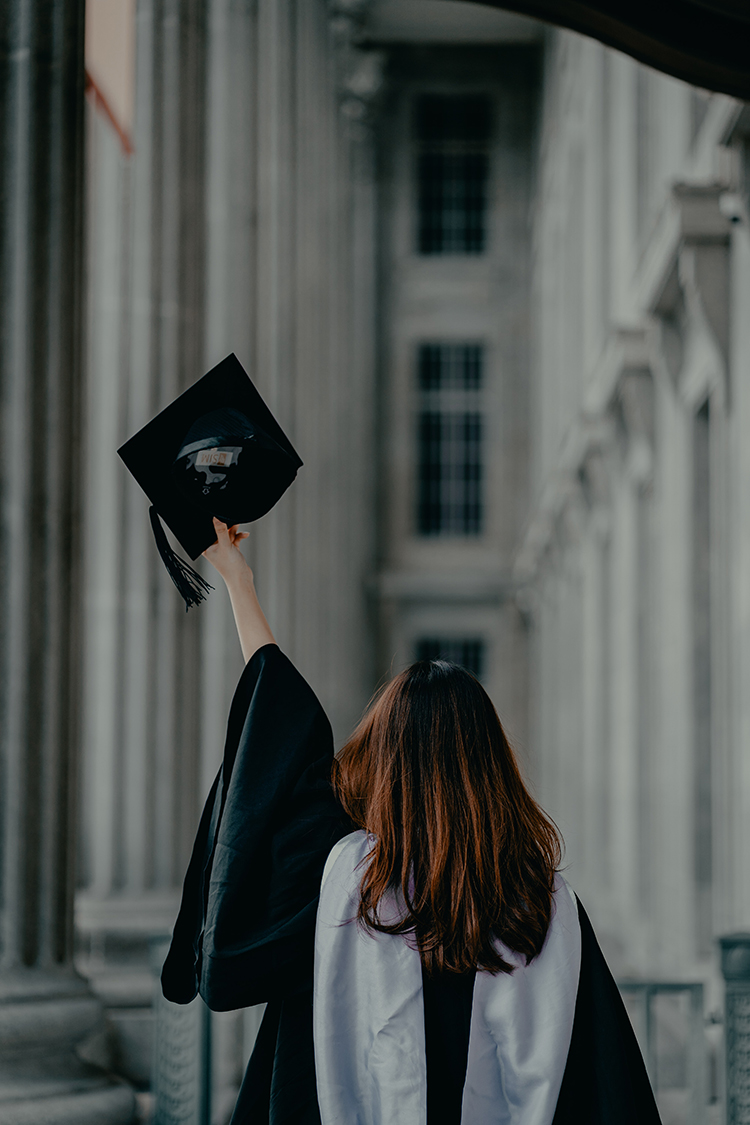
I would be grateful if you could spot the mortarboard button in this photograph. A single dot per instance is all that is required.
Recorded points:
(215, 451)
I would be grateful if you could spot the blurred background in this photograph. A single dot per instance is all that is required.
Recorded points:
(493, 278)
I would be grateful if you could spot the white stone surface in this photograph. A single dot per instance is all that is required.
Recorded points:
(639, 282)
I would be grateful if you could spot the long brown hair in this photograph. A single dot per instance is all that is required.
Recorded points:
(458, 837)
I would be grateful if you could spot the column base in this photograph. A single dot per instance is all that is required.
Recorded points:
(44, 1018)
(105, 1105)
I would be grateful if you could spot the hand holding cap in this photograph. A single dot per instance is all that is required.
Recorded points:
(215, 451)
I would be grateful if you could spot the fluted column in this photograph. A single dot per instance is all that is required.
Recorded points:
(360, 77)
(45, 1008)
(143, 718)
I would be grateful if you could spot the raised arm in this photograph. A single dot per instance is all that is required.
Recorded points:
(254, 631)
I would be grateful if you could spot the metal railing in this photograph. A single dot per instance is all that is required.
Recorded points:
(182, 1056)
(670, 1025)
(735, 967)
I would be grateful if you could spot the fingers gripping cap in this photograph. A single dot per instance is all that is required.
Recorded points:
(215, 451)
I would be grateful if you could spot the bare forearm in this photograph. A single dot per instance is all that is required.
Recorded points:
(226, 556)
(252, 627)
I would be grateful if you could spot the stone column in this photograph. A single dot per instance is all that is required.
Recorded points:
(141, 769)
(360, 78)
(230, 298)
(627, 657)
(45, 1008)
(596, 482)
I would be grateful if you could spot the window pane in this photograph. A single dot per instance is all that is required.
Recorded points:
(452, 202)
(444, 366)
(449, 440)
(452, 172)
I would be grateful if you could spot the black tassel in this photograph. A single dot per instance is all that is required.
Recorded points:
(193, 588)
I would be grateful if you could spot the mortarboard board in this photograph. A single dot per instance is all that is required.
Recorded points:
(215, 451)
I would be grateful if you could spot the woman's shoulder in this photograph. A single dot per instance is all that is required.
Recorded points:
(563, 887)
(345, 857)
(349, 849)
(564, 918)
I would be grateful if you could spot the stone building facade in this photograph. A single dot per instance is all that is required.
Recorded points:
(491, 279)
(634, 545)
(276, 204)
(633, 562)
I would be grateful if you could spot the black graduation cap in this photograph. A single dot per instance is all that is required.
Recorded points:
(215, 451)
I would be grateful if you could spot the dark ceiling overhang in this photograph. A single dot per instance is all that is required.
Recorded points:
(704, 43)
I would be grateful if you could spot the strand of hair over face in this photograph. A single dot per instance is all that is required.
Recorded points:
(461, 848)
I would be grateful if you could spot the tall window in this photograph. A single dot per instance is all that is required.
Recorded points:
(450, 471)
(468, 652)
(452, 135)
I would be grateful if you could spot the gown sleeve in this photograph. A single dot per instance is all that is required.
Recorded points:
(244, 934)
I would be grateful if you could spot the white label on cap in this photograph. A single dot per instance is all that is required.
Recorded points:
(207, 457)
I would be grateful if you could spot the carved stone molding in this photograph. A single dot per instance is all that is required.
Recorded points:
(360, 70)
(635, 407)
(594, 475)
(636, 397)
(691, 301)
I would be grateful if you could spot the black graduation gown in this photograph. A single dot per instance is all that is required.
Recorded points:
(245, 931)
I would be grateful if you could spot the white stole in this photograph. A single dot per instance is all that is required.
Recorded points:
(368, 1016)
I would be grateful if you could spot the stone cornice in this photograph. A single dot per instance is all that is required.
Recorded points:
(693, 216)
(618, 387)
(586, 436)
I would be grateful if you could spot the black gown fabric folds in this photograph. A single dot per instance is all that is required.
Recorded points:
(245, 931)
